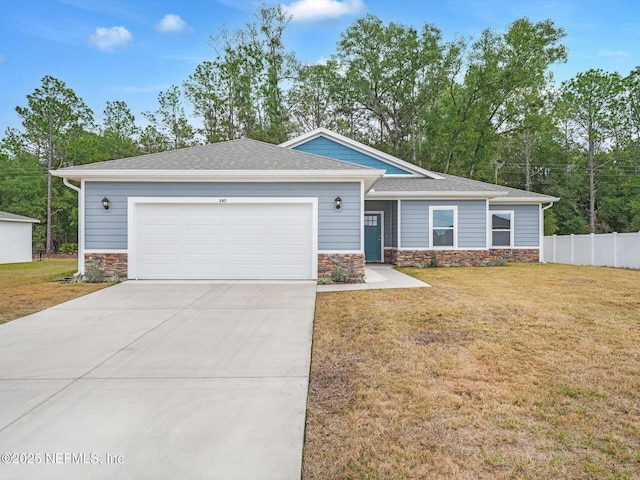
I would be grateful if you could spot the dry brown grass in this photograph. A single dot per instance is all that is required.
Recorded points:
(26, 288)
(525, 371)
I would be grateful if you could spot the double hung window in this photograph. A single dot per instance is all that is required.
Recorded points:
(443, 225)
(502, 229)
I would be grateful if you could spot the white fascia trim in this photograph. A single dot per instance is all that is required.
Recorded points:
(434, 195)
(523, 200)
(369, 176)
(198, 175)
(132, 220)
(360, 147)
(19, 220)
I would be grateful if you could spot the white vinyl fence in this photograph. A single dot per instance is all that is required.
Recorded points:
(602, 250)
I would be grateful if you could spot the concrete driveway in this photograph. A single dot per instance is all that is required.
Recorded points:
(159, 380)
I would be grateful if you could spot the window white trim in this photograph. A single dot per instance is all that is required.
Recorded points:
(511, 229)
(433, 208)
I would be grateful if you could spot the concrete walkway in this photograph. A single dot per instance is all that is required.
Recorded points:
(159, 380)
(378, 276)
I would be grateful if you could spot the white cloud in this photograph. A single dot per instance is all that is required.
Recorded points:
(318, 10)
(609, 53)
(172, 23)
(106, 39)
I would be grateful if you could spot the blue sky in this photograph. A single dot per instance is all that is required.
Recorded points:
(132, 49)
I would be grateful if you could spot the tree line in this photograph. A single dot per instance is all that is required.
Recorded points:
(483, 108)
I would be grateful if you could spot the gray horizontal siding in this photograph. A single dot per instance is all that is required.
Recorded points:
(526, 223)
(337, 229)
(472, 222)
(414, 224)
(390, 209)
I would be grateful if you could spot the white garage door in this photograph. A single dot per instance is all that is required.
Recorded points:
(223, 241)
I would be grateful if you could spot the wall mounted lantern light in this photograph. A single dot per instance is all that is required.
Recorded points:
(338, 201)
(105, 203)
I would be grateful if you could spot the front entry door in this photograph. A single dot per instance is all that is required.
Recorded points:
(373, 237)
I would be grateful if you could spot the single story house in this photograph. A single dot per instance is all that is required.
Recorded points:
(244, 209)
(16, 238)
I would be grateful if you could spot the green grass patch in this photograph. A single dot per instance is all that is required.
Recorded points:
(27, 288)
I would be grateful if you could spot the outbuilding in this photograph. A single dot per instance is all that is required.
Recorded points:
(16, 238)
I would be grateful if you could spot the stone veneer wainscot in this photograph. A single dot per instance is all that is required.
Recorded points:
(352, 262)
(116, 263)
(109, 263)
(463, 258)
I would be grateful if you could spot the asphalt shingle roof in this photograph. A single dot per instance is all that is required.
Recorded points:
(449, 183)
(242, 154)
(245, 154)
(16, 218)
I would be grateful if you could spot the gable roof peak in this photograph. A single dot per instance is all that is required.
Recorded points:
(362, 148)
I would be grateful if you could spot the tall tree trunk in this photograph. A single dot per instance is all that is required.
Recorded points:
(49, 244)
(592, 186)
(527, 163)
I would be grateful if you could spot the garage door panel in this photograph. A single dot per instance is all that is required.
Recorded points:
(224, 241)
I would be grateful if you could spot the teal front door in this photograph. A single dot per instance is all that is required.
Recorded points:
(373, 237)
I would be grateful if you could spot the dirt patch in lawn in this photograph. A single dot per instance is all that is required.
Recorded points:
(525, 371)
(26, 288)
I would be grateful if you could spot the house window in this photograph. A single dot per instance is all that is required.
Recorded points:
(370, 220)
(443, 226)
(501, 229)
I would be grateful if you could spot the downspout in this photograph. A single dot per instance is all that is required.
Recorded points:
(80, 222)
(542, 231)
(71, 185)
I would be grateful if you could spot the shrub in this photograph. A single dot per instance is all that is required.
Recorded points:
(498, 262)
(434, 259)
(93, 274)
(339, 274)
(69, 248)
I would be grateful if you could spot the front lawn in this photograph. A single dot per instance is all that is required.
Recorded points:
(30, 287)
(524, 371)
